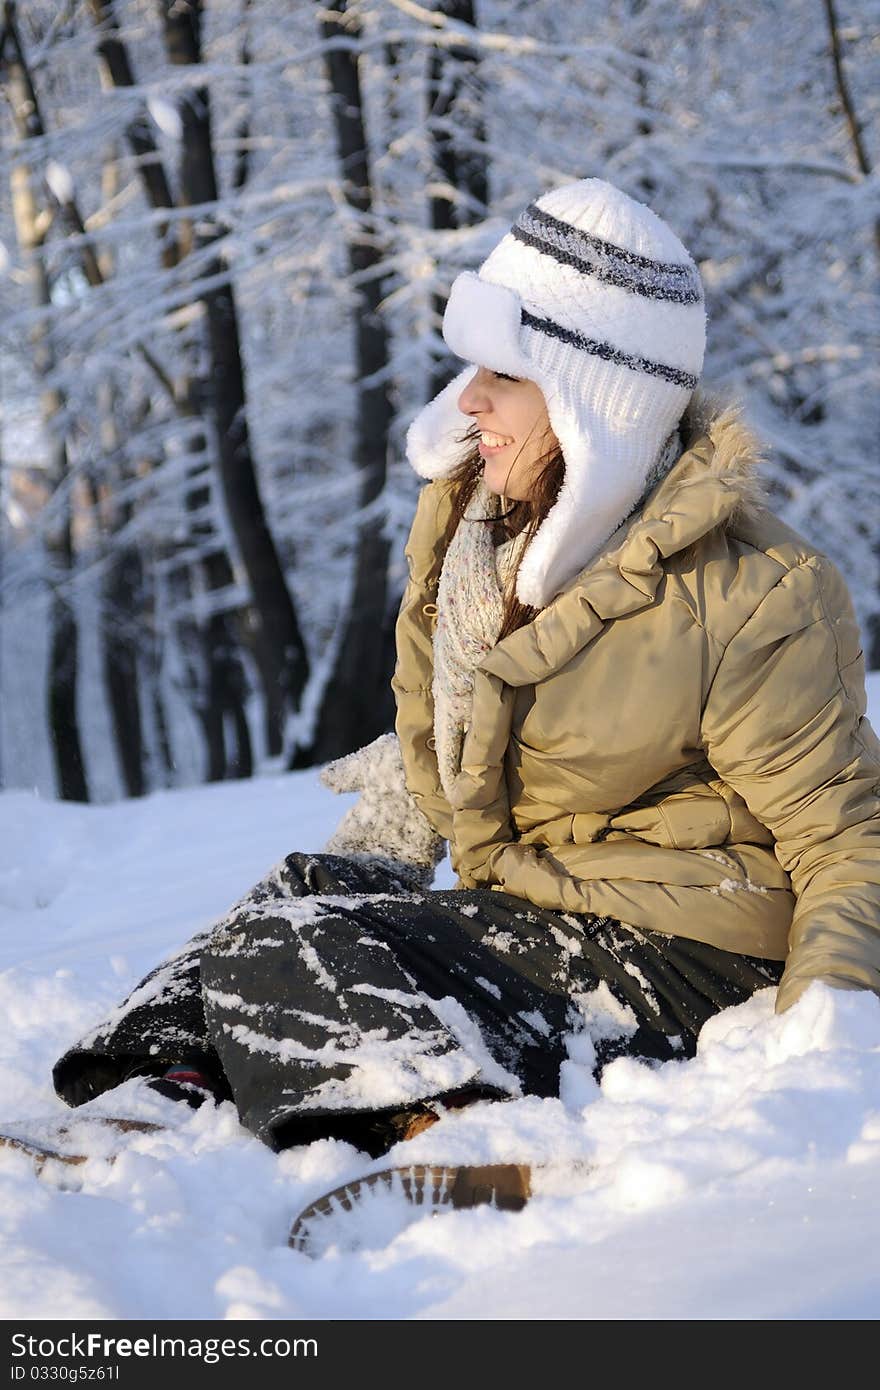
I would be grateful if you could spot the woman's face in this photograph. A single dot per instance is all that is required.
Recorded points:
(515, 429)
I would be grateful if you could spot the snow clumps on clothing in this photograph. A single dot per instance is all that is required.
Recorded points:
(384, 823)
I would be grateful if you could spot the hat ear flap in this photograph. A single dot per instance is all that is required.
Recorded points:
(435, 440)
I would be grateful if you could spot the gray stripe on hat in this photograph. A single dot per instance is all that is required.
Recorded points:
(592, 256)
(609, 353)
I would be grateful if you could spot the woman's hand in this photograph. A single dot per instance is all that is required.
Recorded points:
(384, 822)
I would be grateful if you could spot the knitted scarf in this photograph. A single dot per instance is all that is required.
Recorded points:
(470, 611)
(474, 581)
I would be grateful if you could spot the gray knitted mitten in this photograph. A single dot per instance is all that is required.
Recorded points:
(384, 823)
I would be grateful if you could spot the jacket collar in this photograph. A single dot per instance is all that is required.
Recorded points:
(714, 478)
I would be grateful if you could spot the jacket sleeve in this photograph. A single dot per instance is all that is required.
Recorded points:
(784, 724)
(414, 670)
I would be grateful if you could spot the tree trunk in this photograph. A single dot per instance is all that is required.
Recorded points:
(139, 132)
(31, 228)
(211, 651)
(458, 139)
(277, 643)
(358, 703)
(122, 580)
(121, 602)
(645, 125)
(242, 134)
(854, 126)
(217, 684)
(216, 673)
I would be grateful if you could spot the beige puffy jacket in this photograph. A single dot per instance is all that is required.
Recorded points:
(679, 739)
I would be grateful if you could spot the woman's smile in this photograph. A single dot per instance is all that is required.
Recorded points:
(492, 444)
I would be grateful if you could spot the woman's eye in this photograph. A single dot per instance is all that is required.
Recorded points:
(502, 376)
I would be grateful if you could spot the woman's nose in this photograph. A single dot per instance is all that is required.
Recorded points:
(473, 397)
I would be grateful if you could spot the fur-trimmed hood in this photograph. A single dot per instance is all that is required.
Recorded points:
(738, 453)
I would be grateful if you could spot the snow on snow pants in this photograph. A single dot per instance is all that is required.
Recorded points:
(332, 988)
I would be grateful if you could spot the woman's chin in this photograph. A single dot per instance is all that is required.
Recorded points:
(495, 477)
(502, 485)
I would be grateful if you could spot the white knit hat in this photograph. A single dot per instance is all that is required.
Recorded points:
(591, 295)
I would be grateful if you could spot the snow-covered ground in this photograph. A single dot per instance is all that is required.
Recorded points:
(740, 1184)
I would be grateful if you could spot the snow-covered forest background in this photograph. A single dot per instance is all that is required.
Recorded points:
(227, 230)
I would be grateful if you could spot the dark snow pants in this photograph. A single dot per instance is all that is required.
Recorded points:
(333, 988)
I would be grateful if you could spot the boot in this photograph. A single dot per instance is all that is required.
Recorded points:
(376, 1131)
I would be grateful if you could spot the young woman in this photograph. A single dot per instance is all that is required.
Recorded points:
(629, 698)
